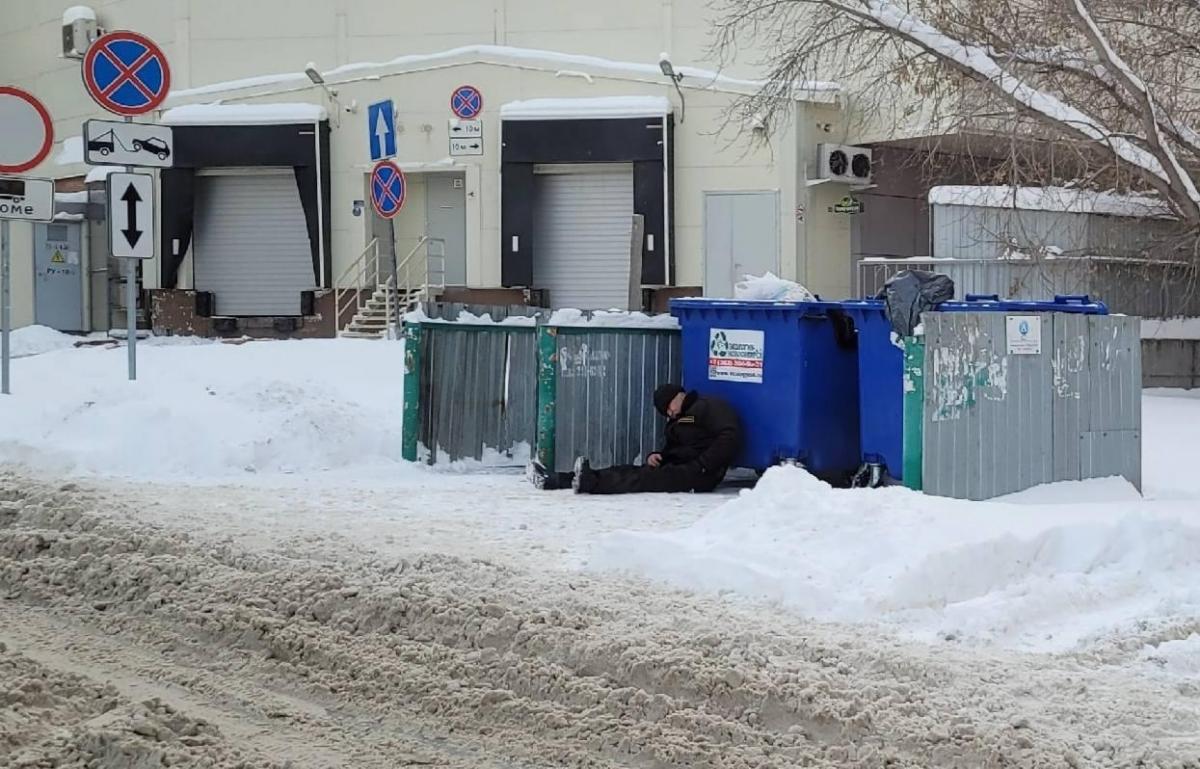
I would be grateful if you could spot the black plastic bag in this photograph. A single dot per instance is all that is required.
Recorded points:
(912, 292)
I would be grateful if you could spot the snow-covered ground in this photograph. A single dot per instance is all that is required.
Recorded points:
(1054, 568)
(233, 483)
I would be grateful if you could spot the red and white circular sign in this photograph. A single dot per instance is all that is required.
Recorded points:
(26, 129)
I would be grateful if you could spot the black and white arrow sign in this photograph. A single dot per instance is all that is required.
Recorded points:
(131, 215)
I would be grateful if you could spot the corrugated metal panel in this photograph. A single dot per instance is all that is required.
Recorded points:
(977, 398)
(1127, 286)
(583, 225)
(605, 383)
(978, 232)
(478, 389)
(996, 423)
(251, 246)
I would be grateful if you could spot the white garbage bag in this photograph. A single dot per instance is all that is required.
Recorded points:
(771, 288)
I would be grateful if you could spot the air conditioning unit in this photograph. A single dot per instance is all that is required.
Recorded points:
(79, 31)
(845, 163)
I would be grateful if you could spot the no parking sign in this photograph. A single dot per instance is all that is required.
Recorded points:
(126, 73)
(388, 188)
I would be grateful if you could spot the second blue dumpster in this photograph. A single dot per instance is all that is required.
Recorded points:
(789, 369)
(881, 372)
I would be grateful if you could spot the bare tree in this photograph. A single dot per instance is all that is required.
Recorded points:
(1112, 85)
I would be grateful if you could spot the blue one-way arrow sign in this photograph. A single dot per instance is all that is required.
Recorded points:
(381, 130)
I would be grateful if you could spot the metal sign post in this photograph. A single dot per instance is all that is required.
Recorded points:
(128, 74)
(131, 237)
(5, 304)
(27, 135)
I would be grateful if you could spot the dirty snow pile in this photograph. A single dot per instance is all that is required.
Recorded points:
(611, 319)
(202, 411)
(35, 340)
(1050, 569)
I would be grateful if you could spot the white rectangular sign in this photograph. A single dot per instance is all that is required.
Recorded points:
(1024, 334)
(466, 146)
(466, 129)
(29, 199)
(735, 355)
(107, 142)
(131, 215)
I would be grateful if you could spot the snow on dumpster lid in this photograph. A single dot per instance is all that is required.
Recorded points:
(244, 114)
(1063, 199)
(591, 107)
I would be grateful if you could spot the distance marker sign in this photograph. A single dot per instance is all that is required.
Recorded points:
(126, 73)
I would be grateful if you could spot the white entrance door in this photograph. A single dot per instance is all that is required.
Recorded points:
(741, 237)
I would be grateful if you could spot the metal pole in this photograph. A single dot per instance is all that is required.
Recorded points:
(131, 302)
(5, 302)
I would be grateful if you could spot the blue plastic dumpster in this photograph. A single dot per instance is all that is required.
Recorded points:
(881, 370)
(790, 371)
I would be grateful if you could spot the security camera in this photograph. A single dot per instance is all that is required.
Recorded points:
(358, 207)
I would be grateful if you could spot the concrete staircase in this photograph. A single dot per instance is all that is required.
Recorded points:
(372, 321)
(380, 296)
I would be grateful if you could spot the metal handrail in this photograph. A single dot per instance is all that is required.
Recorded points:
(411, 281)
(365, 272)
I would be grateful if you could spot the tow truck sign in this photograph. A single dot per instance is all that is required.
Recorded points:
(107, 142)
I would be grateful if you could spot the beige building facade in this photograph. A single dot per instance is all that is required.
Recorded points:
(268, 206)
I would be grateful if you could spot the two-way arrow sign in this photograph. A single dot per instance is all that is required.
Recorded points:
(131, 215)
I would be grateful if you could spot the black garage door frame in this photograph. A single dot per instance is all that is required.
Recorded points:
(646, 142)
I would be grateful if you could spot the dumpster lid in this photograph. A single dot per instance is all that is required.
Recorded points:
(1075, 303)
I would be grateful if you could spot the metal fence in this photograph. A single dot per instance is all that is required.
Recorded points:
(470, 391)
(1139, 287)
(596, 393)
(996, 422)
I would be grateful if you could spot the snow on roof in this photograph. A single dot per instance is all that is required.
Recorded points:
(528, 58)
(71, 197)
(100, 173)
(1064, 199)
(71, 151)
(77, 12)
(597, 107)
(244, 114)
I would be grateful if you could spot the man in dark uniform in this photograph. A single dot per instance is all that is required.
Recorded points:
(703, 437)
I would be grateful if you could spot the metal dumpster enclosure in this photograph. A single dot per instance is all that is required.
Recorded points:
(469, 388)
(595, 386)
(1000, 413)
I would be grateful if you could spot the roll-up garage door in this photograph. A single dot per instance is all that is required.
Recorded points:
(582, 226)
(251, 246)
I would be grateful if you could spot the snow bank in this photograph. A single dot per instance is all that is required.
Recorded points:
(597, 107)
(1062, 199)
(212, 411)
(1050, 569)
(471, 319)
(611, 319)
(37, 340)
(244, 114)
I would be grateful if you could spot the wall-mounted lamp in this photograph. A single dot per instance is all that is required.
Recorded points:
(310, 70)
(668, 69)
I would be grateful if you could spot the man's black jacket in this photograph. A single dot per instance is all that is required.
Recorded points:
(707, 432)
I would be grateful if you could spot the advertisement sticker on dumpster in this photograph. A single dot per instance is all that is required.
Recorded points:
(735, 355)
(1024, 334)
